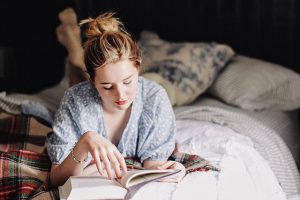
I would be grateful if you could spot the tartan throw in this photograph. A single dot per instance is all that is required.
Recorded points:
(22, 132)
(25, 165)
(23, 173)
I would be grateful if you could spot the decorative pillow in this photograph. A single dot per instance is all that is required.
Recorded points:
(255, 84)
(185, 69)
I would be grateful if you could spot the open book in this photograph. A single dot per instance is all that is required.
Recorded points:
(98, 187)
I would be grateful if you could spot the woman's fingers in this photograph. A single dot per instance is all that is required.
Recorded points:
(107, 157)
(105, 160)
(114, 162)
(121, 160)
(96, 157)
(173, 165)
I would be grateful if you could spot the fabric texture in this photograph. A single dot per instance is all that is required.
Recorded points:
(265, 139)
(244, 173)
(254, 84)
(42, 104)
(22, 133)
(25, 165)
(149, 134)
(184, 69)
(284, 124)
(22, 104)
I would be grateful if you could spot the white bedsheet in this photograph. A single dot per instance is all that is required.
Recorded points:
(244, 173)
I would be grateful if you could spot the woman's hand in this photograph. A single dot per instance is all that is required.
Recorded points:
(104, 152)
(173, 165)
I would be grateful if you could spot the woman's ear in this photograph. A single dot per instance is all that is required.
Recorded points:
(139, 68)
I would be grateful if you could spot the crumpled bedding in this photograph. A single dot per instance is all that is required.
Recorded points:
(265, 141)
(244, 174)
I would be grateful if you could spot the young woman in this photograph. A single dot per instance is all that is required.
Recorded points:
(116, 113)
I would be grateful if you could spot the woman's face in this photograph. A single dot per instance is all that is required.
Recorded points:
(117, 84)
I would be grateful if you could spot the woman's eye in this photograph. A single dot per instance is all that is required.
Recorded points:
(107, 88)
(127, 82)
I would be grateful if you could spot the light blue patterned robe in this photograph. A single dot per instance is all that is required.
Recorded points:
(149, 134)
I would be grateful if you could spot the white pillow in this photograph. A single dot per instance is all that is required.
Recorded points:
(185, 69)
(254, 84)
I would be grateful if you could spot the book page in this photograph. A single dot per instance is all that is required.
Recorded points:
(135, 177)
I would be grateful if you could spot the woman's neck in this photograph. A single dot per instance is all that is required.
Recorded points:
(115, 124)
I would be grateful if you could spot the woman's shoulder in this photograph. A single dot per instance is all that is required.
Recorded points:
(154, 99)
(80, 86)
(152, 93)
(150, 87)
(83, 90)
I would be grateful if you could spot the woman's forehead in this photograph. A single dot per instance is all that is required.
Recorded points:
(116, 72)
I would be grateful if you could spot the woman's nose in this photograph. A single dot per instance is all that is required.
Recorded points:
(119, 92)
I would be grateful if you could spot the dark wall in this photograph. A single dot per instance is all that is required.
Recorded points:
(27, 29)
(267, 29)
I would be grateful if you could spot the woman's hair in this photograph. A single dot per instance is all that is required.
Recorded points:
(107, 41)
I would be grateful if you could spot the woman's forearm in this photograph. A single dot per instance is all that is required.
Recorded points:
(153, 164)
(69, 167)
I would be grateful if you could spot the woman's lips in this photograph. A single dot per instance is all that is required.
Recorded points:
(122, 102)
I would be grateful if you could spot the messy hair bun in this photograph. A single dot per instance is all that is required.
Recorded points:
(107, 41)
(103, 23)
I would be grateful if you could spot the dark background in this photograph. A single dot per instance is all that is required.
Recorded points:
(266, 29)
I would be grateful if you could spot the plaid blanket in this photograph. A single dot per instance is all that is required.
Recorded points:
(25, 165)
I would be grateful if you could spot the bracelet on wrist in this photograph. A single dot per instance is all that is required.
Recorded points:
(74, 157)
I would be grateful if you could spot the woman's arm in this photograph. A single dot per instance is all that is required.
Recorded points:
(153, 164)
(102, 151)
(60, 173)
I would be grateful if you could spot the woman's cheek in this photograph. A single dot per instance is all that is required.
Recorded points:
(131, 93)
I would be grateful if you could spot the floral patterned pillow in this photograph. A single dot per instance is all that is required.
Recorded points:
(184, 69)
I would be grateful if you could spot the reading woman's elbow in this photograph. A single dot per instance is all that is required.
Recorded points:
(53, 182)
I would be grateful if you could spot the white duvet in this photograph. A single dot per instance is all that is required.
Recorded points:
(244, 173)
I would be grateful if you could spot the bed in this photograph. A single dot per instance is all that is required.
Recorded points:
(238, 111)
(205, 127)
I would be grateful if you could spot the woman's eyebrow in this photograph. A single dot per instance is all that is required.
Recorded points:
(127, 78)
(105, 83)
